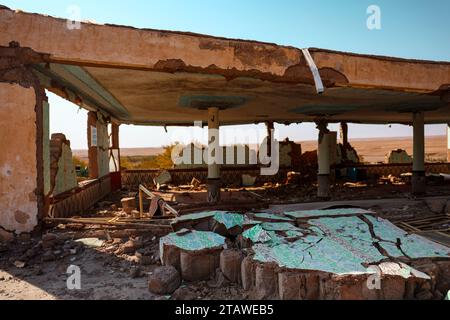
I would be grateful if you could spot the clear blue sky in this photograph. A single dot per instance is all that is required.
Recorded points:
(409, 28)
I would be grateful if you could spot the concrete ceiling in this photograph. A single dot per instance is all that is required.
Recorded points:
(156, 77)
(180, 98)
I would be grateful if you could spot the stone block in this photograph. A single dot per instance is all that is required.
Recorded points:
(230, 265)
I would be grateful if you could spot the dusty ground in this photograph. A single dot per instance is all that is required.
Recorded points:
(36, 268)
(105, 274)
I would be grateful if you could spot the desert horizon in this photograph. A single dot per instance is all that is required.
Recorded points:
(371, 149)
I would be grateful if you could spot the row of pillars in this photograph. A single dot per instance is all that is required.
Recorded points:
(325, 140)
(324, 156)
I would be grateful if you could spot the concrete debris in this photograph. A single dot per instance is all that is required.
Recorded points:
(195, 253)
(164, 280)
(128, 205)
(399, 156)
(6, 236)
(275, 254)
(447, 207)
(248, 180)
(293, 178)
(163, 178)
(195, 183)
(49, 240)
(91, 242)
(230, 265)
(436, 205)
(132, 245)
(19, 264)
(219, 281)
(327, 253)
(184, 293)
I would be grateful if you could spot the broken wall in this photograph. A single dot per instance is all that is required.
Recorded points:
(448, 142)
(18, 163)
(63, 175)
(399, 157)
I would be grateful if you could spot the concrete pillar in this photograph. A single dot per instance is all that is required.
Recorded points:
(344, 134)
(21, 159)
(270, 127)
(214, 181)
(418, 178)
(114, 163)
(24, 157)
(448, 142)
(92, 145)
(324, 160)
(98, 145)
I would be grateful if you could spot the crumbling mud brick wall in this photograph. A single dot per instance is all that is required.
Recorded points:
(62, 168)
(22, 199)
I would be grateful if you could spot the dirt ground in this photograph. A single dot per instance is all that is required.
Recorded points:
(37, 268)
(106, 273)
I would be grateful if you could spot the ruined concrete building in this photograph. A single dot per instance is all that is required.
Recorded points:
(123, 75)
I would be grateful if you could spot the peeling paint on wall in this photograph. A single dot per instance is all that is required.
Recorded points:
(18, 210)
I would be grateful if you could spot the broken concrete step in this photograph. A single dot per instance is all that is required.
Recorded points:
(196, 254)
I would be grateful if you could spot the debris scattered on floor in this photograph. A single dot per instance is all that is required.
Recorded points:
(321, 254)
(249, 254)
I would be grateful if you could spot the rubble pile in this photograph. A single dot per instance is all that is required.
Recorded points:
(318, 254)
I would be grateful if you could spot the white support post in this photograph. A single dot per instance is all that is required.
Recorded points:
(418, 179)
(324, 159)
(214, 181)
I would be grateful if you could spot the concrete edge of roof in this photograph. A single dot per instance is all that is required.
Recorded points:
(200, 35)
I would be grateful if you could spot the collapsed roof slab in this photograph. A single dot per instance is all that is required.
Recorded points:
(142, 76)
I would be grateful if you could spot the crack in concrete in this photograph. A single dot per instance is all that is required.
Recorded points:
(6, 230)
(377, 244)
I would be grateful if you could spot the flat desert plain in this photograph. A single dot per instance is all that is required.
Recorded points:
(373, 150)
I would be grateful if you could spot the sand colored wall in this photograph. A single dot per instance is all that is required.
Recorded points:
(63, 169)
(18, 173)
(103, 148)
(46, 146)
(448, 142)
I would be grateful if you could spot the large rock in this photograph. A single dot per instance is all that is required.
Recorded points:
(436, 205)
(164, 280)
(185, 294)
